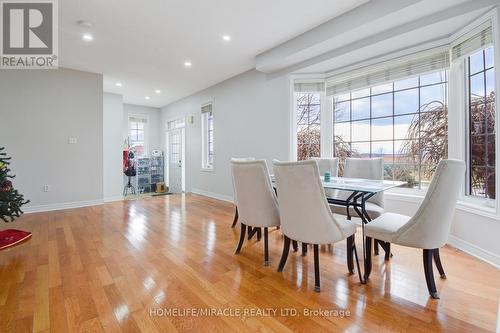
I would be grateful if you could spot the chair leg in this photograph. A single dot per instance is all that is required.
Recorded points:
(368, 254)
(266, 247)
(254, 231)
(242, 238)
(387, 250)
(429, 275)
(235, 218)
(437, 261)
(284, 255)
(350, 263)
(357, 259)
(375, 247)
(259, 234)
(304, 249)
(295, 246)
(316, 268)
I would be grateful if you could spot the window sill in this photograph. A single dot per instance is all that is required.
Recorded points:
(207, 170)
(469, 205)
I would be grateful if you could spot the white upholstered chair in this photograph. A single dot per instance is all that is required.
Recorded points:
(428, 229)
(255, 198)
(366, 168)
(305, 213)
(330, 165)
(235, 220)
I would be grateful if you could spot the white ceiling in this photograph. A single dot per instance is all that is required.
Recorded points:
(143, 44)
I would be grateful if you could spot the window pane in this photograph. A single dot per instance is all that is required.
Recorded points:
(488, 57)
(361, 108)
(361, 93)
(343, 97)
(433, 149)
(361, 130)
(342, 150)
(426, 174)
(402, 125)
(384, 88)
(406, 173)
(476, 63)
(405, 84)
(308, 125)
(383, 149)
(342, 132)
(360, 149)
(382, 129)
(382, 105)
(406, 101)
(342, 111)
(432, 78)
(406, 151)
(433, 124)
(432, 97)
(477, 86)
(490, 82)
(490, 116)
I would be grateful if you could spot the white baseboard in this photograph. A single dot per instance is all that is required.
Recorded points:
(61, 206)
(213, 195)
(115, 198)
(475, 251)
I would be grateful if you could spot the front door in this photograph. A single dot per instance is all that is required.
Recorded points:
(175, 139)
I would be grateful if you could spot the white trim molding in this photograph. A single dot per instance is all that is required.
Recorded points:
(475, 251)
(114, 198)
(213, 195)
(62, 206)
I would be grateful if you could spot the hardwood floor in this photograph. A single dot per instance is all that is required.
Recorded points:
(110, 267)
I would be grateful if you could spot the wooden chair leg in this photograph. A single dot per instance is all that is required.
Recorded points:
(429, 275)
(304, 249)
(316, 269)
(375, 247)
(284, 255)
(254, 231)
(242, 238)
(368, 254)
(235, 218)
(387, 250)
(350, 263)
(266, 247)
(295, 246)
(437, 261)
(259, 234)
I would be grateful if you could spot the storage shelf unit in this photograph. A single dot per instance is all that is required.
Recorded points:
(149, 173)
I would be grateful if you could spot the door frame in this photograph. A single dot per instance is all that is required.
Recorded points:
(166, 157)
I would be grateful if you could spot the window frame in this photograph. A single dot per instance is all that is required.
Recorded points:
(205, 143)
(146, 130)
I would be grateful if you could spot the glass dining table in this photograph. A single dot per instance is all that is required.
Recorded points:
(355, 192)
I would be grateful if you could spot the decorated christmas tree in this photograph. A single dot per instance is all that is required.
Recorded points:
(11, 200)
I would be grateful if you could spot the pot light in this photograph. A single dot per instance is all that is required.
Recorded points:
(226, 38)
(118, 84)
(147, 98)
(158, 91)
(187, 64)
(87, 37)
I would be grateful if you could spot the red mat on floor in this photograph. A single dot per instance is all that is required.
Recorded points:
(11, 237)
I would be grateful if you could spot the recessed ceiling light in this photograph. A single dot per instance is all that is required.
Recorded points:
(147, 98)
(187, 64)
(226, 38)
(118, 84)
(87, 37)
(158, 91)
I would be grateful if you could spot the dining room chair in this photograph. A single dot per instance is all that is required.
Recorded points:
(235, 219)
(429, 227)
(305, 213)
(366, 168)
(255, 198)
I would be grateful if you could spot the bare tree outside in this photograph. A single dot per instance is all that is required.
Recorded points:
(308, 125)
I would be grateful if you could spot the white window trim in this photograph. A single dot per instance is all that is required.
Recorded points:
(204, 143)
(146, 129)
(456, 82)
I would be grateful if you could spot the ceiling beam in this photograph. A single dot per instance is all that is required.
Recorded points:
(372, 10)
(442, 15)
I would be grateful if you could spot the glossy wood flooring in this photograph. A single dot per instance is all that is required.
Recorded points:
(108, 268)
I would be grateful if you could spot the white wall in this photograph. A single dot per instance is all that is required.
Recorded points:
(251, 115)
(154, 126)
(39, 111)
(112, 146)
